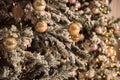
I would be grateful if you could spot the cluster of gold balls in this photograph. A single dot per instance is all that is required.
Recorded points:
(10, 43)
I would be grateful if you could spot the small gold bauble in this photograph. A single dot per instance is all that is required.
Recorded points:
(10, 43)
(39, 5)
(74, 28)
(41, 26)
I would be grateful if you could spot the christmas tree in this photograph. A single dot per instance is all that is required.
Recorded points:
(58, 40)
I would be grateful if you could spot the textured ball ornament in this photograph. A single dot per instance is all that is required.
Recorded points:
(99, 30)
(10, 43)
(72, 1)
(75, 38)
(94, 47)
(41, 26)
(74, 28)
(39, 5)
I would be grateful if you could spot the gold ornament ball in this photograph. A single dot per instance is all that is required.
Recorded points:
(39, 5)
(10, 43)
(75, 38)
(41, 26)
(74, 28)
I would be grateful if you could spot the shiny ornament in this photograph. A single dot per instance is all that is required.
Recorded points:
(95, 10)
(76, 38)
(72, 1)
(99, 30)
(10, 43)
(41, 26)
(94, 47)
(74, 28)
(39, 5)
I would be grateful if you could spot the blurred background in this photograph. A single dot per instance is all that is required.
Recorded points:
(115, 6)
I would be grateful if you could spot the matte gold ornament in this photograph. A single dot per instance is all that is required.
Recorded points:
(41, 26)
(74, 28)
(10, 43)
(39, 5)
